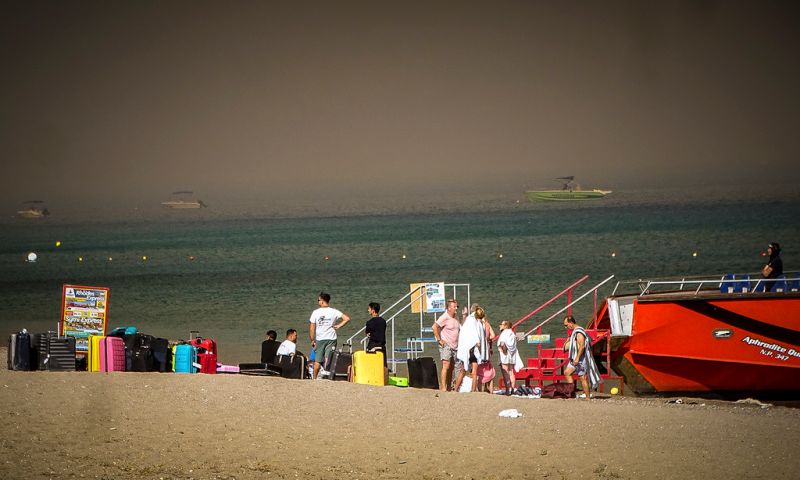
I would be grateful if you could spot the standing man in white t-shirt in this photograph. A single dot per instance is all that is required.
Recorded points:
(322, 329)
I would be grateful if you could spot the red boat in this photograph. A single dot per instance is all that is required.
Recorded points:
(728, 335)
(706, 335)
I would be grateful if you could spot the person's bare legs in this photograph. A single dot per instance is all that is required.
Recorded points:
(459, 379)
(445, 373)
(511, 374)
(507, 376)
(316, 370)
(585, 386)
(474, 376)
(568, 374)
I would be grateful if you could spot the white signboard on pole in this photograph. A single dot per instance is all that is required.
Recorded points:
(434, 297)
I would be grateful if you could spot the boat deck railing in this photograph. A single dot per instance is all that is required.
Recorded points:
(725, 284)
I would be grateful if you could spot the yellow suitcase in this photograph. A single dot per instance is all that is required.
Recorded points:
(93, 361)
(368, 368)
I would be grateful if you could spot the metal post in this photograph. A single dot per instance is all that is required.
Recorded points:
(569, 302)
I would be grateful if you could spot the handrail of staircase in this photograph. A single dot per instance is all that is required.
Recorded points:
(535, 311)
(565, 308)
(350, 340)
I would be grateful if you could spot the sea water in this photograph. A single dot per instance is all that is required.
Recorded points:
(233, 277)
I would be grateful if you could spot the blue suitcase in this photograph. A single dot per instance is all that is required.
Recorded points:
(185, 359)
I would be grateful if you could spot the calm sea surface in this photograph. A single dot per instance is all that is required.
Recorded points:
(250, 274)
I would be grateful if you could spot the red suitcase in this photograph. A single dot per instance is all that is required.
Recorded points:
(208, 362)
(112, 355)
(207, 344)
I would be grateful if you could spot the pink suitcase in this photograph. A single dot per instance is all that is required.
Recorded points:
(227, 368)
(112, 355)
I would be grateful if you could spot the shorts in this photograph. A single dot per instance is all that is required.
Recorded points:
(580, 368)
(447, 354)
(472, 357)
(323, 350)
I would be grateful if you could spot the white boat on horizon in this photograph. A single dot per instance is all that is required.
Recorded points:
(34, 211)
(183, 203)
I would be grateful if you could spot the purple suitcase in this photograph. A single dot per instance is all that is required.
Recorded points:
(112, 355)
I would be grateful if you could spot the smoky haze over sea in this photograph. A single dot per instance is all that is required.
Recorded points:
(118, 104)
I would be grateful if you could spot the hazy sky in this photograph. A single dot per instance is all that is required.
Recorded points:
(322, 99)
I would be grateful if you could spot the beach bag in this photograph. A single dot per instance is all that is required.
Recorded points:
(486, 372)
(559, 390)
(766, 271)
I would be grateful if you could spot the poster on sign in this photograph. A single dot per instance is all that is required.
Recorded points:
(434, 297)
(417, 297)
(84, 311)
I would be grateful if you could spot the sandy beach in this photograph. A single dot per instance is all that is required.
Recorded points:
(150, 425)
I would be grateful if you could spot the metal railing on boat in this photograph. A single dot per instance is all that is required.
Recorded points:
(728, 283)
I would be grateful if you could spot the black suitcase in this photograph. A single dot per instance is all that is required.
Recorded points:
(39, 349)
(19, 351)
(422, 373)
(162, 355)
(142, 359)
(339, 365)
(269, 349)
(60, 353)
(291, 366)
(138, 353)
(266, 369)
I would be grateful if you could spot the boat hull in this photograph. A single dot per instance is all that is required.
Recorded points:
(182, 205)
(716, 343)
(33, 213)
(564, 195)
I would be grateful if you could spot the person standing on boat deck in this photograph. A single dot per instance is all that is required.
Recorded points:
(581, 361)
(376, 331)
(774, 267)
(322, 329)
(445, 330)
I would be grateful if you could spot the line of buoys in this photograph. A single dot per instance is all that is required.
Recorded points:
(32, 257)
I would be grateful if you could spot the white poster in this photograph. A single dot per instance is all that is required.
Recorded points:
(434, 297)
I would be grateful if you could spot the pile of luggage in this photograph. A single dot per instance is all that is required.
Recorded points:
(125, 349)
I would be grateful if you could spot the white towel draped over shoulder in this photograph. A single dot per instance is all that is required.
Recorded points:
(471, 334)
(591, 368)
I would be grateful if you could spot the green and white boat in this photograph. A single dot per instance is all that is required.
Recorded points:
(569, 191)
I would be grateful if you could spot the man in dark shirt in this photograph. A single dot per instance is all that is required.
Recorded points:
(376, 331)
(774, 267)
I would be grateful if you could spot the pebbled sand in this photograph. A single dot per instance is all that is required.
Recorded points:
(149, 425)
